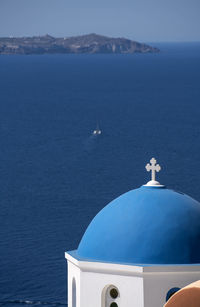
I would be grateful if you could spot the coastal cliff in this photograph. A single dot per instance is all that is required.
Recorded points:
(91, 43)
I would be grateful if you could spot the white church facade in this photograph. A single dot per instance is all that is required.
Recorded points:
(138, 251)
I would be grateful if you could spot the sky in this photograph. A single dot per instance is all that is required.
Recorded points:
(142, 20)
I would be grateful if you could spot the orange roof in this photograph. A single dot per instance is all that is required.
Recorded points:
(188, 296)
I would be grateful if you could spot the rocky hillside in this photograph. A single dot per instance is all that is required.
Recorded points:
(91, 43)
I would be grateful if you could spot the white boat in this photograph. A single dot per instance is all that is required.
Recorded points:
(97, 131)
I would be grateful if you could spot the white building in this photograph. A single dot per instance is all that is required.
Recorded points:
(138, 250)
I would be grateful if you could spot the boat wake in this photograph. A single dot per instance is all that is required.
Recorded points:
(97, 131)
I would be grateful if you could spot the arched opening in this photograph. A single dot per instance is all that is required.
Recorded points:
(171, 292)
(73, 292)
(110, 296)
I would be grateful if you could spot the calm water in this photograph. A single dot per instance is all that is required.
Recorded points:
(55, 176)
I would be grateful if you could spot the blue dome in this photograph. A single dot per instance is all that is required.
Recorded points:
(149, 225)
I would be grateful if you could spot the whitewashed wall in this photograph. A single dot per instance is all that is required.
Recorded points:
(164, 278)
(138, 286)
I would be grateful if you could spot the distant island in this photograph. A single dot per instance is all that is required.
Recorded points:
(91, 43)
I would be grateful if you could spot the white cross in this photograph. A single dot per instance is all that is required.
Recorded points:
(153, 168)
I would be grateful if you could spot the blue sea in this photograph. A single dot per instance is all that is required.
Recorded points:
(55, 175)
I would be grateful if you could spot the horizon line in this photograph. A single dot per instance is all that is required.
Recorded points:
(92, 33)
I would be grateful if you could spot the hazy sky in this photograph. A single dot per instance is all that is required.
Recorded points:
(142, 20)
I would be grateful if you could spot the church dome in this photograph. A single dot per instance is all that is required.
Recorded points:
(148, 225)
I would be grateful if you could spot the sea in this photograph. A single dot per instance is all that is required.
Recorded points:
(55, 175)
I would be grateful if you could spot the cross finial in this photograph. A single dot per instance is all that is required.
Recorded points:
(153, 167)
